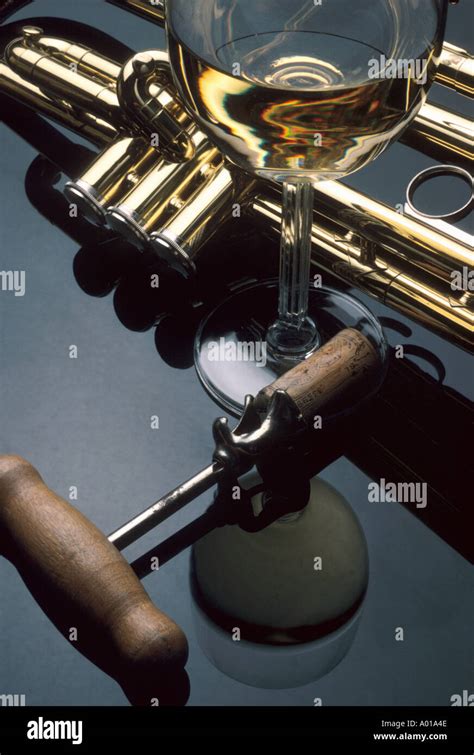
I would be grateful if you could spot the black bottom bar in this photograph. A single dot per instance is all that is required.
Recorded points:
(95, 729)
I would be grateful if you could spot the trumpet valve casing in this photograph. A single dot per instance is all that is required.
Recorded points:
(111, 176)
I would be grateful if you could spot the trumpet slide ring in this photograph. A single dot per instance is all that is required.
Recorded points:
(440, 170)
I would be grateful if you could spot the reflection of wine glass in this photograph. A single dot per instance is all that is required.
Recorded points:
(296, 91)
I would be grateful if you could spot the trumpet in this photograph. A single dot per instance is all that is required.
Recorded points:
(160, 183)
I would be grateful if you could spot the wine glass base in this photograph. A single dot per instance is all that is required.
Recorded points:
(233, 358)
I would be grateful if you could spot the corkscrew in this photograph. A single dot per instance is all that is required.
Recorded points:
(78, 575)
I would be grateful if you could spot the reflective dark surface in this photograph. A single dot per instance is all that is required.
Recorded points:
(85, 424)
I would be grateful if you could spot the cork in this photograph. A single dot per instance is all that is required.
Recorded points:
(343, 364)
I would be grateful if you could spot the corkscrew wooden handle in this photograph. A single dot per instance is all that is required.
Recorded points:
(88, 590)
(345, 362)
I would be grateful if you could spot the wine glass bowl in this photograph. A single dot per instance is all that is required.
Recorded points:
(291, 88)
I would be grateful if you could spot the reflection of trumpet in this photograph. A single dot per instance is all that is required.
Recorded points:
(161, 183)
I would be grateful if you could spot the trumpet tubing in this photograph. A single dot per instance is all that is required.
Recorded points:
(61, 81)
(442, 134)
(160, 183)
(86, 124)
(74, 55)
(456, 70)
(149, 101)
(403, 264)
(137, 98)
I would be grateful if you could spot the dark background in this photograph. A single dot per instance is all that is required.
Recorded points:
(86, 422)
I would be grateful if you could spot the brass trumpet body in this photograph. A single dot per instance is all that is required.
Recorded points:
(162, 185)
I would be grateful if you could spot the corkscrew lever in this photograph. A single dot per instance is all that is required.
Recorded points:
(271, 420)
(235, 453)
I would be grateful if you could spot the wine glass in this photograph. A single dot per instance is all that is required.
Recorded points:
(296, 92)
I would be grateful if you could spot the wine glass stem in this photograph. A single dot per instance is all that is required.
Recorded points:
(294, 334)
